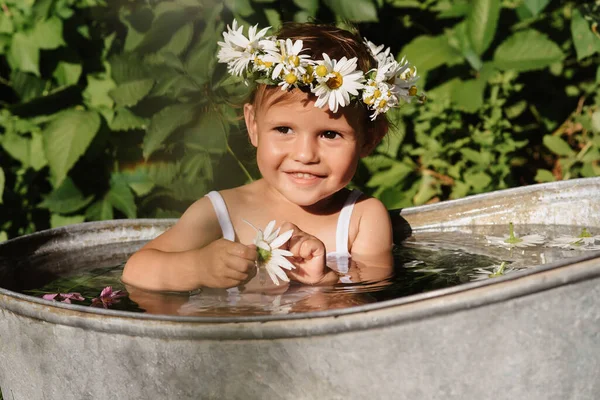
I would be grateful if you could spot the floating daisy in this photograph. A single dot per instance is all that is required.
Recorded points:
(513, 240)
(238, 50)
(491, 272)
(270, 256)
(337, 80)
(584, 241)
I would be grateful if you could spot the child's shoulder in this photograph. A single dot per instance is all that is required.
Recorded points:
(370, 207)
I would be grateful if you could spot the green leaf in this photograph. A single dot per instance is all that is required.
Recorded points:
(65, 199)
(427, 189)
(241, 7)
(311, 6)
(391, 177)
(57, 220)
(96, 94)
(165, 122)
(586, 43)
(24, 54)
(543, 175)
(482, 22)
(67, 73)
(138, 180)
(101, 210)
(17, 147)
(38, 158)
(121, 197)
(355, 10)
(536, 6)
(526, 51)
(27, 85)
(558, 146)
(180, 40)
(125, 120)
(66, 138)
(164, 28)
(477, 180)
(429, 52)
(130, 93)
(2, 183)
(163, 173)
(273, 17)
(209, 133)
(6, 24)
(3, 236)
(48, 34)
(468, 96)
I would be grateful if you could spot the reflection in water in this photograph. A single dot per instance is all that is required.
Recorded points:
(426, 261)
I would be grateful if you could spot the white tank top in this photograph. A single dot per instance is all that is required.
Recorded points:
(339, 257)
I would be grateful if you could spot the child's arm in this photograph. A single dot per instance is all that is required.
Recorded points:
(372, 248)
(191, 254)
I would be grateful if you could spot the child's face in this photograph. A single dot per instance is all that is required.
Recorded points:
(304, 152)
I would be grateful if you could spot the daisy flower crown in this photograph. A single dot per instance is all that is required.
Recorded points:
(272, 61)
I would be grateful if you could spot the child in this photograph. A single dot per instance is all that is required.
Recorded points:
(319, 106)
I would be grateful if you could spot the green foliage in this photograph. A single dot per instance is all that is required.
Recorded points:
(114, 109)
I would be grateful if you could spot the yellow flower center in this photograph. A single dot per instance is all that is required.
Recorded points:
(376, 93)
(294, 60)
(369, 100)
(412, 91)
(258, 61)
(291, 78)
(382, 103)
(321, 70)
(335, 81)
(307, 78)
(267, 64)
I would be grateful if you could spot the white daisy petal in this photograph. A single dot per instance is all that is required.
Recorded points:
(281, 239)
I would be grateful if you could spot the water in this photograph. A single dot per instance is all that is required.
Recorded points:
(426, 261)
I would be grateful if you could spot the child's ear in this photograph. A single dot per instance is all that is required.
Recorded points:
(251, 126)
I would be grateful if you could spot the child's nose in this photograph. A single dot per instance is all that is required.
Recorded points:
(306, 150)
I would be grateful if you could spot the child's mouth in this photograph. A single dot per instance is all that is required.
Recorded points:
(304, 177)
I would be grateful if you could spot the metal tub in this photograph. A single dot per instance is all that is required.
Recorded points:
(527, 335)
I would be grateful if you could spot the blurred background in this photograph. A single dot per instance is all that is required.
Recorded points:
(118, 109)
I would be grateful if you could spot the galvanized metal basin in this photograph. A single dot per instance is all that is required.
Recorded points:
(528, 335)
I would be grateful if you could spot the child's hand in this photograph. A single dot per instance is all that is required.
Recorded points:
(226, 264)
(309, 258)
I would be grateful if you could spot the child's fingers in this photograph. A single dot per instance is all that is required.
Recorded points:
(236, 275)
(310, 248)
(242, 251)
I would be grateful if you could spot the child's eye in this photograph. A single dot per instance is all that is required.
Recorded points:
(283, 129)
(330, 134)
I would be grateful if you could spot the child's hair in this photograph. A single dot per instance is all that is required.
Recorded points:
(336, 43)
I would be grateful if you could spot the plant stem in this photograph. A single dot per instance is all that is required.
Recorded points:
(230, 151)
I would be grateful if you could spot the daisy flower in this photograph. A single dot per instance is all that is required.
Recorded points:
(584, 241)
(513, 240)
(238, 50)
(337, 80)
(288, 60)
(491, 272)
(270, 256)
(376, 52)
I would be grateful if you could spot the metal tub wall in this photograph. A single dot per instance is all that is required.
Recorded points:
(530, 334)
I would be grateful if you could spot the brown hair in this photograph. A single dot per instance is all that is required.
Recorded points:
(337, 43)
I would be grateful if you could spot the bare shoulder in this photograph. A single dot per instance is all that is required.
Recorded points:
(374, 228)
(197, 227)
(371, 210)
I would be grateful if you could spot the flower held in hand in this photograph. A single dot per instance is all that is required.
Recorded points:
(270, 256)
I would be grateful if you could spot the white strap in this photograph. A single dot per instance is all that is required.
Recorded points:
(222, 215)
(343, 225)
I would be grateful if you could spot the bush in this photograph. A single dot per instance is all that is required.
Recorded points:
(118, 109)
